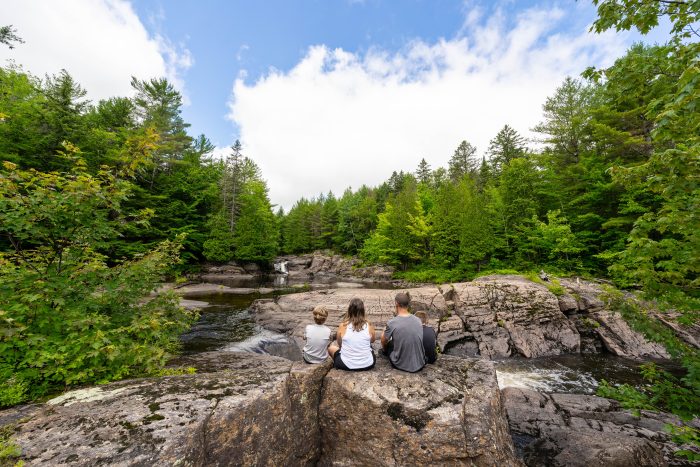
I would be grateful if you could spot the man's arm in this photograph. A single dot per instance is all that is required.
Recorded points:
(386, 335)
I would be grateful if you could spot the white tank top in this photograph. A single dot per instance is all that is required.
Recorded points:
(356, 351)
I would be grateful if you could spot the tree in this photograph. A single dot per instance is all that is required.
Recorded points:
(463, 161)
(401, 237)
(506, 146)
(255, 236)
(68, 318)
(8, 35)
(566, 124)
(423, 172)
(158, 104)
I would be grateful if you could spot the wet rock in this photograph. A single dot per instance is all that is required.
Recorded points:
(203, 289)
(582, 430)
(450, 413)
(193, 304)
(510, 314)
(239, 409)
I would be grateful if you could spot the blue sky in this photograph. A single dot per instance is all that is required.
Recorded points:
(326, 94)
(229, 37)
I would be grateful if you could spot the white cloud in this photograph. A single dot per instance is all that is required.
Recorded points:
(340, 119)
(101, 43)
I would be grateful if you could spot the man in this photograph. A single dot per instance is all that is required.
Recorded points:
(402, 339)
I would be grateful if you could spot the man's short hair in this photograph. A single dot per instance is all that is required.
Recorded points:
(402, 299)
(320, 314)
(423, 316)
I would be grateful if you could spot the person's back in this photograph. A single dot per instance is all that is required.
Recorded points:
(402, 338)
(429, 338)
(357, 348)
(317, 337)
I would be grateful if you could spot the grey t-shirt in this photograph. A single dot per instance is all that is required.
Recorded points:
(317, 338)
(406, 333)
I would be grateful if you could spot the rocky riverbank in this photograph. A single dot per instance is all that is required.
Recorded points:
(588, 431)
(240, 408)
(492, 317)
(243, 409)
(301, 268)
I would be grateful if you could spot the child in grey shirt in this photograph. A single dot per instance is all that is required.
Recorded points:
(317, 337)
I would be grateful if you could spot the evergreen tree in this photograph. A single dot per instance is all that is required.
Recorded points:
(462, 162)
(423, 172)
(255, 235)
(506, 146)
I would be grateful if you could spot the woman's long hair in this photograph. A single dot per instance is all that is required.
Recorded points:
(356, 314)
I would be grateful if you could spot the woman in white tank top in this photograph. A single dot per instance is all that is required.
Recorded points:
(355, 336)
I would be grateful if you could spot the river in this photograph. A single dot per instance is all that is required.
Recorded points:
(227, 324)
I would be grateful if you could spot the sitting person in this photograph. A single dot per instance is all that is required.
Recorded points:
(317, 337)
(429, 338)
(353, 351)
(402, 339)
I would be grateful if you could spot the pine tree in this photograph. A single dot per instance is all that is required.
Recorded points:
(423, 172)
(506, 146)
(463, 161)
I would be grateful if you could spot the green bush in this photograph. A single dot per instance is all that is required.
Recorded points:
(67, 318)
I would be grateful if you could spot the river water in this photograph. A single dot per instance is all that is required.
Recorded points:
(227, 324)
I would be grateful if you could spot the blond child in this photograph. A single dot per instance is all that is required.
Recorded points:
(317, 337)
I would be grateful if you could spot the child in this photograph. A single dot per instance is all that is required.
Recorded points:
(317, 337)
(429, 338)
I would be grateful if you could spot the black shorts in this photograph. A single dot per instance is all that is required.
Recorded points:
(339, 364)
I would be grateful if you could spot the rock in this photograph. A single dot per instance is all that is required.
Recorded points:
(326, 264)
(582, 430)
(239, 409)
(587, 293)
(568, 304)
(510, 314)
(291, 313)
(203, 289)
(193, 304)
(450, 413)
(621, 340)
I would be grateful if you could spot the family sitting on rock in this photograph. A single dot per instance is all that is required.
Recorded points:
(406, 340)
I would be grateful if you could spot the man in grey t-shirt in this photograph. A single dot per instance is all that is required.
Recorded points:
(402, 338)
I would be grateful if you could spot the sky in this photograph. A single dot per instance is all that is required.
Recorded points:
(325, 94)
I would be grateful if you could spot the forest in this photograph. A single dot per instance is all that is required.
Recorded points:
(101, 201)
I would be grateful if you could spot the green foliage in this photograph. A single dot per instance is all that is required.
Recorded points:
(401, 237)
(255, 233)
(9, 450)
(219, 244)
(68, 318)
(663, 391)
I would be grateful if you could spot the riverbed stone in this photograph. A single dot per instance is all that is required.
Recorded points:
(584, 430)
(510, 315)
(621, 340)
(238, 409)
(450, 413)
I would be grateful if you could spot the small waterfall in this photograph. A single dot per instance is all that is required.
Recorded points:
(281, 267)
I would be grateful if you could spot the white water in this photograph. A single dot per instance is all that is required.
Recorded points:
(548, 380)
(256, 343)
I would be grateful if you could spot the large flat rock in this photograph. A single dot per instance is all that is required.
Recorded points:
(450, 413)
(291, 313)
(238, 409)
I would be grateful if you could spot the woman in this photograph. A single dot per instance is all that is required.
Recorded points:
(353, 352)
